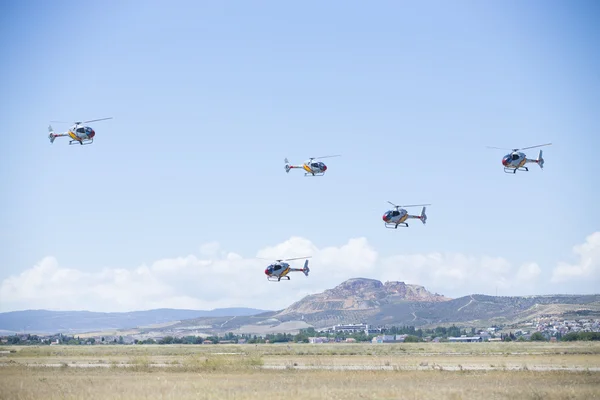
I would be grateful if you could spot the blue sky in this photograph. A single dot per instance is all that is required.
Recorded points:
(208, 98)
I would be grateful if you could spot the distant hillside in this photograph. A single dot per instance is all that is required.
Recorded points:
(356, 300)
(394, 303)
(43, 321)
(353, 301)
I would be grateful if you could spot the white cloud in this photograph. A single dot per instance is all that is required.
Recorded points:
(588, 266)
(529, 272)
(216, 278)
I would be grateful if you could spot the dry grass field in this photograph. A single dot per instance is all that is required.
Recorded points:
(304, 371)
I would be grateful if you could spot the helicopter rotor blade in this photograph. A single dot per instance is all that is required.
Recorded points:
(416, 205)
(393, 204)
(297, 258)
(94, 120)
(532, 147)
(282, 259)
(318, 158)
(501, 148)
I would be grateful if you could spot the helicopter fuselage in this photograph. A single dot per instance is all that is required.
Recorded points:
(395, 216)
(278, 270)
(514, 160)
(81, 133)
(314, 167)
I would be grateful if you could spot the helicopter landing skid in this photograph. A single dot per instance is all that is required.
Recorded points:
(272, 278)
(83, 142)
(514, 170)
(395, 226)
(311, 175)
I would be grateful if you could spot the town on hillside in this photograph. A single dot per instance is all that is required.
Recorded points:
(540, 329)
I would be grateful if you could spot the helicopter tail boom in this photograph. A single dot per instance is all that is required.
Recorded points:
(52, 135)
(305, 270)
(289, 166)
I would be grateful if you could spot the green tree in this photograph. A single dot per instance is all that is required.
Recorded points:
(537, 337)
(166, 340)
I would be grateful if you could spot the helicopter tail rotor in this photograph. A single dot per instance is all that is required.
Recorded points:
(306, 270)
(51, 135)
(540, 160)
(287, 166)
(423, 216)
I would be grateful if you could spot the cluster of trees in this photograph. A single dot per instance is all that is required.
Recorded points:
(440, 331)
(540, 337)
(569, 337)
(414, 335)
(62, 339)
(535, 337)
(33, 339)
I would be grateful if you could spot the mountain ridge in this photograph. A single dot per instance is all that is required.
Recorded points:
(48, 321)
(356, 300)
(364, 300)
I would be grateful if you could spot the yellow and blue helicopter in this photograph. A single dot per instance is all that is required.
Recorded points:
(79, 133)
(311, 167)
(398, 216)
(280, 269)
(516, 160)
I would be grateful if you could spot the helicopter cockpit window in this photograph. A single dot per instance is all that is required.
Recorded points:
(395, 213)
(80, 130)
(277, 267)
(515, 156)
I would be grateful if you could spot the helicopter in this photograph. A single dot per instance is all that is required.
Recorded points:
(515, 161)
(79, 133)
(280, 269)
(397, 217)
(312, 168)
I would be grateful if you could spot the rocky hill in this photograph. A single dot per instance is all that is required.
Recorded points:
(362, 294)
(361, 300)
(396, 303)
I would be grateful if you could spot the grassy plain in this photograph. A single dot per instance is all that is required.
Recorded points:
(304, 371)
